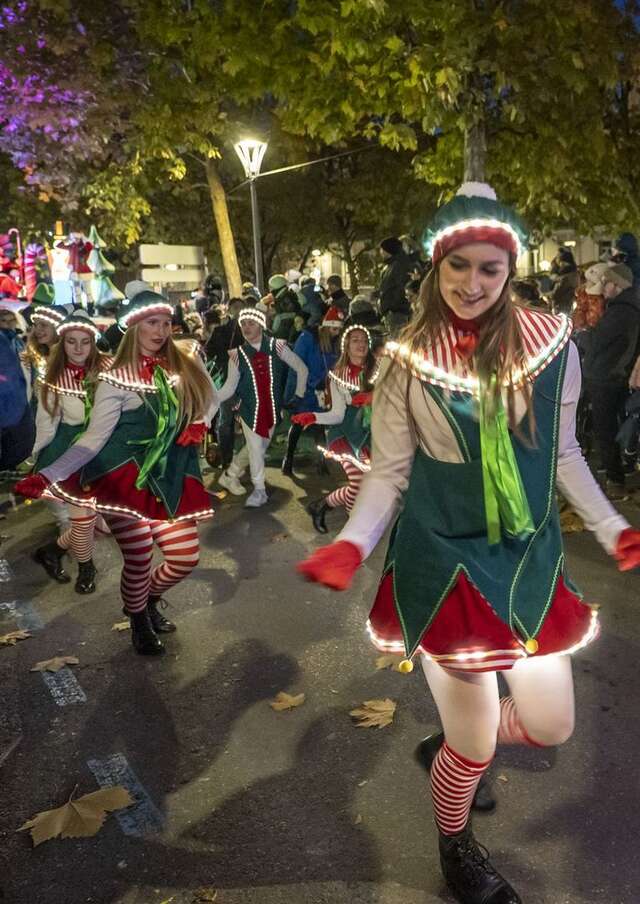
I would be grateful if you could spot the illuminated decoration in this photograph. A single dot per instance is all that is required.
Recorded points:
(485, 657)
(254, 314)
(251, 153)
(363, 465)
(48, 315)
(138, 313)
(133, 385)
(62, 390)
(78, 323)
(424, 369)
(272, 343)
(473, 224)
(347, 385)
(92, 502)
(350, 329)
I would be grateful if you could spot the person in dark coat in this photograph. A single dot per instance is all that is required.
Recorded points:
(564, 274)
(625, 251)
(394, 306)
(337, 295)
(314, 305)
(607, 367)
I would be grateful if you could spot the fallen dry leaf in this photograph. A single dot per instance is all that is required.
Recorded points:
(55, 664)
(77, 818)
(11, 639)
(357, 820)
(204, 895)
(388, 662)
(374, 713)
(570, 522)
(277, 537)
(121, 625)
(286, 701)
(503, 778)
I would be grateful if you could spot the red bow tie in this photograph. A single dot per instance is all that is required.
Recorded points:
(78, 372)
(148, 364)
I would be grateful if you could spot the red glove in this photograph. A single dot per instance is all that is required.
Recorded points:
(627, 551)
(32, 486)
(333, 565)
(305, 418)
(192, 435)
(361, 398)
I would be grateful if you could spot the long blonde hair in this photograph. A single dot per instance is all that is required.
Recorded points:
(56, 363)
(500, 349)
(194, 389)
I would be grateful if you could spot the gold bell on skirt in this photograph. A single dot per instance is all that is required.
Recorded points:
(531, 646)
(405, 666)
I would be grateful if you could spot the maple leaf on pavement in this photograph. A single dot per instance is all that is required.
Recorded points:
(388, 662)
(374, 713)
(11, 639)
(55, 664)
(286, 701)
(77, 818)
(121, 625)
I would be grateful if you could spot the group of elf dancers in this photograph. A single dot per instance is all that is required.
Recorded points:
(470, 429)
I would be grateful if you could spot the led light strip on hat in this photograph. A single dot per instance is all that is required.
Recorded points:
(85, 325)
(253, 314)
(475, 223)
(50, 317)
(154, 307)
(350, 329)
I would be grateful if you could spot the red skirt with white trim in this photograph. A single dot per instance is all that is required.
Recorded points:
(115, 493)
(467, 635)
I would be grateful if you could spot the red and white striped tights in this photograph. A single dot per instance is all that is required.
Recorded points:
(79, 537)
(180, 548)
(539, 712)
(346, 495)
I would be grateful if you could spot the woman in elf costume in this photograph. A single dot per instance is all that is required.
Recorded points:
(349, 420)
(137, 462)
(65, 395)
(473, 428)
(43, 336)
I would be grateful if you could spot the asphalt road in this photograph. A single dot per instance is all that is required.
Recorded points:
(297, 807)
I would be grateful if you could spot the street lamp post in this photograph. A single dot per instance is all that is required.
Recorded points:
(251, 153)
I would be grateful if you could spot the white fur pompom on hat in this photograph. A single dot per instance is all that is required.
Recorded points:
(477, 190)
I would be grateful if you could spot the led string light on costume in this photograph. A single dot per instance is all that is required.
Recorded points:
(253, 314)
(85, 325)
(139, 313)
(350, 329)
(56, 489)
(51, 317)
(271, 392)
(255, 387)
(62, 390)
(474, 223)
(424, 369)
(133, 385)
(347, 385)
(361, 464)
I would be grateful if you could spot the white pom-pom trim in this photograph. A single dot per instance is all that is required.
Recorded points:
(477, 190)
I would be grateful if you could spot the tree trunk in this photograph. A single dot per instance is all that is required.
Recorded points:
(223, 226)
(347, 257)
(475, 152)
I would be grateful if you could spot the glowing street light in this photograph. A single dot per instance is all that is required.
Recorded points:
(251, 153)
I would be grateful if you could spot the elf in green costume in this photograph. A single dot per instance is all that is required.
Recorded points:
(65, 394)
(137, 461)
(473, 428)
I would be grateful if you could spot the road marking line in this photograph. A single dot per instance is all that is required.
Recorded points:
(142, 819)
(24, 614)
(64, 687)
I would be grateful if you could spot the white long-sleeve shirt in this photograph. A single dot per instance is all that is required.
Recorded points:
(394, 444)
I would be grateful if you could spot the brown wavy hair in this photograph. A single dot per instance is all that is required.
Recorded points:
(56, 363)
(194, 390)
(500, 348)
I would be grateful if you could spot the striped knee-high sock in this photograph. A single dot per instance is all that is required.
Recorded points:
(82, 537)
(347, 495)
(180, 548)
(454, 780)
(136, 545)
(511, 730)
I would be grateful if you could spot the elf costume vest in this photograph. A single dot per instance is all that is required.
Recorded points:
(353, 434)
(447, 590)
(141, 472)
(261, 385)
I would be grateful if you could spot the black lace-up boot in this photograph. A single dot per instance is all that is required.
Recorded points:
(50, 557)
(85, 582)
(161, 625)
(318, 511)
(483, 799)
(144, 639)
(469, 873)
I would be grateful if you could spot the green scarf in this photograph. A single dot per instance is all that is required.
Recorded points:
(166, 430)
(506, 504)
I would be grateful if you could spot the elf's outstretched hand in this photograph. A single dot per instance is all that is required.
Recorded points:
(305, 418)
(627, 551)
(32, 486)
(333, 565)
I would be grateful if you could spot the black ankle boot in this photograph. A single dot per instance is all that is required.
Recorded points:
(50, 557)
(318, 510)
(161, 625)
(483, 799)
(144, 639)
(469, 873)
(287, 465)
(86, 577)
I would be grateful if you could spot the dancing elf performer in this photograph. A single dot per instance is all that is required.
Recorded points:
(43, 336)
(257, 371)
(65, 396)
(473, 428)
(349, 420)
(137, 462)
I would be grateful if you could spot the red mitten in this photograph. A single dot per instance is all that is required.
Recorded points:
(32, 486)
(305, 418)
(627, 551)
(192, 435)
(361, 398)
(333, 565)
